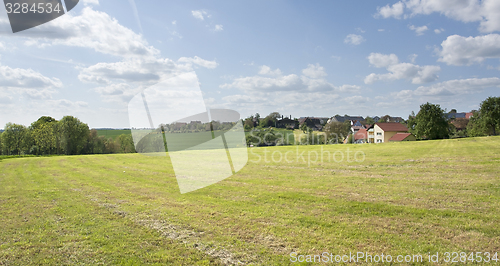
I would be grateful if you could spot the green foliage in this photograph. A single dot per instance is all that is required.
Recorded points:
(264, 137)
(337, 131)
(369, 120)
(305, 128)
(70, 136)
(490, 115)
(125, 143)
(270, 120)
(431, 122)
(74, 135)
(486, 121)
(476, 127)
(312, 138)
(14, 139)
(411, 123)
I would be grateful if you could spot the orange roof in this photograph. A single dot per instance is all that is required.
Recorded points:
(399, 136)
(391, 127)
(361, 134)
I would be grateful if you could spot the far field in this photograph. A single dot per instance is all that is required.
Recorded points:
(113, 133)
(403, 198)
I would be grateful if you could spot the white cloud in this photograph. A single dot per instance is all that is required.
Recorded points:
(395, 11)
(417, 74)
(218, 28)
(144, 70)
(413, 57)
(459, 86)
(4, 99)
(174, 22)
(349, 88)
(418, 30)
(438, 31)
(265, 70)
(30, 84)
(90, 2)
(312, 80)
(282, 83)
(458, 50)
(199, 14)
(354, 39)
(25, 78)
(92, 29)
(314, 71)
(70, 105)
(198, 61)
(381, 60)
(356, 99)
(485, 11)
(451, 88)
(122, 80)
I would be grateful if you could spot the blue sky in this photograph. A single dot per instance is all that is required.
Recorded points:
(300, 58)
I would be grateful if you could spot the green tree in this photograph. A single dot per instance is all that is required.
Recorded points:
(476, 127)
(14, 139)
(125, 143)
(337, 131)
(431, 122)
(489, 113)
(385, 119)
(73, 135)
(43, 136)
(411, 123)
(304, 128)
(369, 121)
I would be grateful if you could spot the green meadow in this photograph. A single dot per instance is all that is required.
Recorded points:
(112, 133)
(126, 209)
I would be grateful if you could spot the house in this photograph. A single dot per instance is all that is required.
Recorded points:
(312, 122)
(455, 115)
(460, 123)
(361, 136)
(344, 118)
(287, 123)
(383, 132)
(403, 137)
(356, 126)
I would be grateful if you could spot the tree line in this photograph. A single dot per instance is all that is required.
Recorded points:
(431, 121)
(68, 136)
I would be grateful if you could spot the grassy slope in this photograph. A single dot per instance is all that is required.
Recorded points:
(405, 198)
(113, 133)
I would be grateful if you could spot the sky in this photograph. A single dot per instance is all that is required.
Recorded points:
(299, 58)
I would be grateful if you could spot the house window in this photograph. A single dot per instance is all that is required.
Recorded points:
(379, 141)
(379, 134)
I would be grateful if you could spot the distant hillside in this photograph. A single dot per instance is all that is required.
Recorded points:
(112, 133)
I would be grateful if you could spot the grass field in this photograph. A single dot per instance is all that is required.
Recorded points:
(113, 133)
(400, 198)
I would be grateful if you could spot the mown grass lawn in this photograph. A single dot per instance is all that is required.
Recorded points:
(399, 198)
